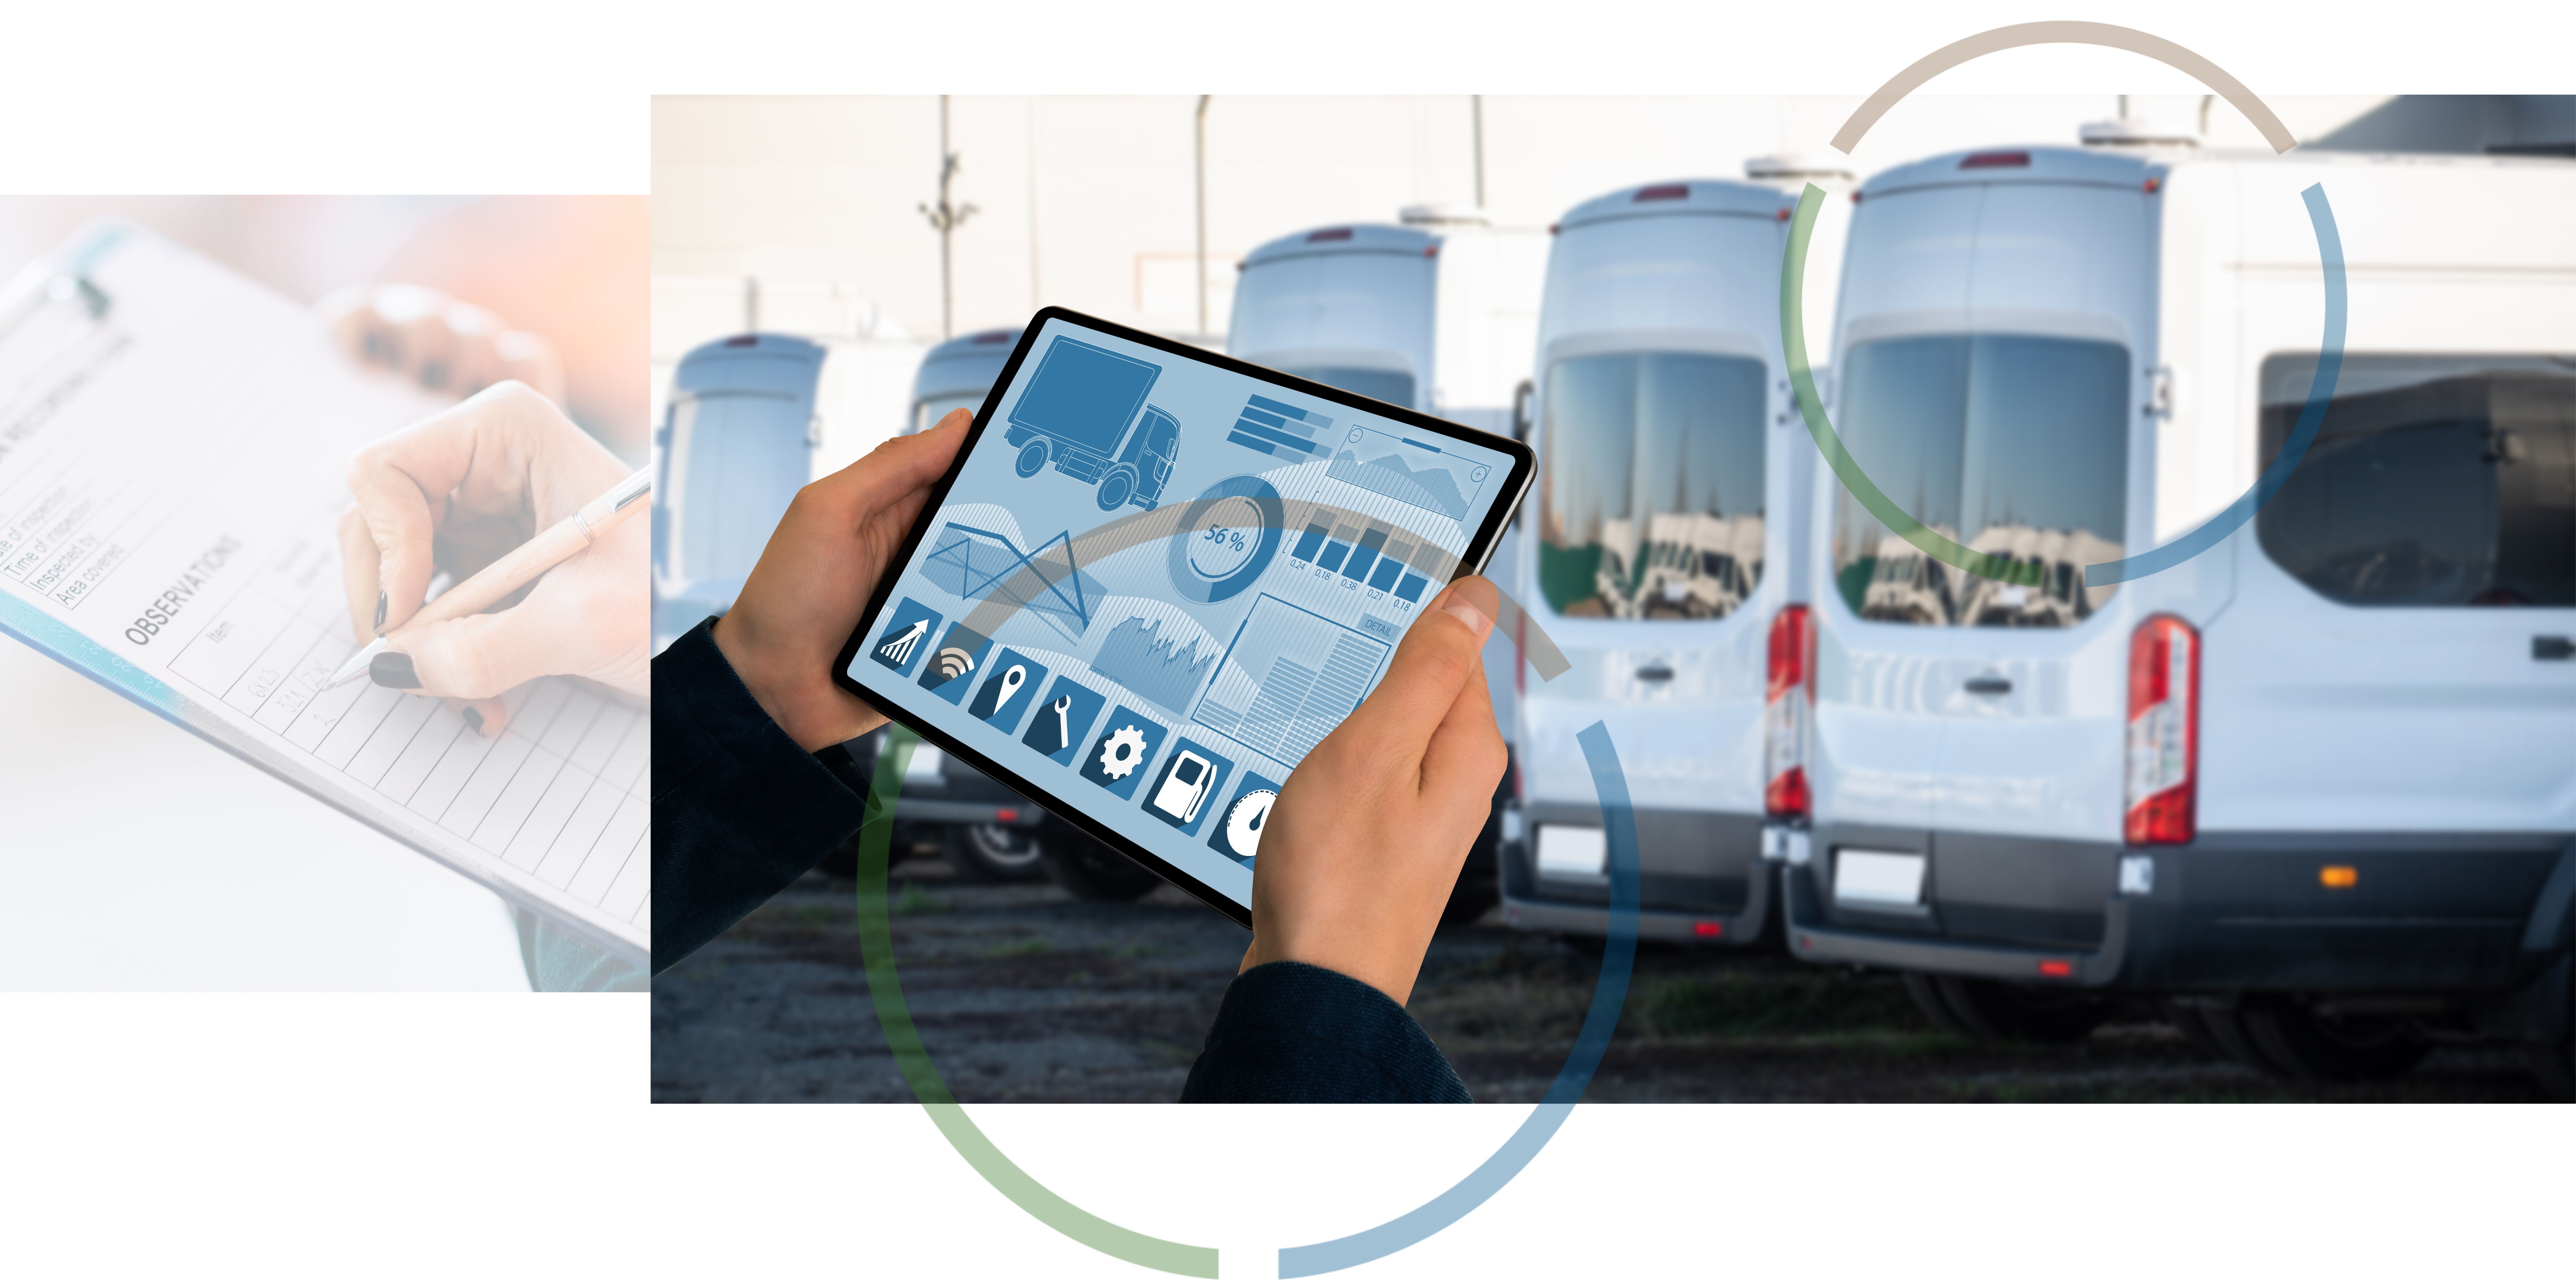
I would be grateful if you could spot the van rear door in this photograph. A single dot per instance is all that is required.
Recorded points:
(1878, 716)
(2061, 314)
(2002, 417)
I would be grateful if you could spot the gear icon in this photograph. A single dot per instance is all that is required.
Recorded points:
(1122, 753)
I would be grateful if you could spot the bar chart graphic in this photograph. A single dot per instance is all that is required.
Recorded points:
(1364, 551)
(1165, 674)
(1287, 678)
(1408, 470)
(1275, 428)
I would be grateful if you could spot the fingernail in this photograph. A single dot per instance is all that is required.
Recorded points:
(433, 374)
(474, 717)
(1458, 607)
(380, 612)
(393, 670)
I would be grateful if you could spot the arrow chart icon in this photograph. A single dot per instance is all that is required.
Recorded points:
(898, 650)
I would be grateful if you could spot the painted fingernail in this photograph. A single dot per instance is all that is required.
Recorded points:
(375, 346)
(380, 612)
(393, 670)
(433, 374)
(1459, 608)
(474, 717)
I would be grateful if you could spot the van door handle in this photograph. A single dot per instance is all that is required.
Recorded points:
(1990, 685)
(1654, 673)
(2552, 648)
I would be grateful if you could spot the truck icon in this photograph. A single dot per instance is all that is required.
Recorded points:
(1077, 408)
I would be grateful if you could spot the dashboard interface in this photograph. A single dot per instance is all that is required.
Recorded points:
(1156, 584)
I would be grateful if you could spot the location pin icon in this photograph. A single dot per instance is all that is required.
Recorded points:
(1009, 684)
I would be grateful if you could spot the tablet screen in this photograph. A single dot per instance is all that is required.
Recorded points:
(1157, 583)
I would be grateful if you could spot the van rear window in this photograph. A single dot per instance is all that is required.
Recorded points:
(2435, 481)
(1650, 491)
(1368, 382)
(2019, 442)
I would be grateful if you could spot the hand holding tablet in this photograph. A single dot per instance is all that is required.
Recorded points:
(1198, 569)
(1372, 827)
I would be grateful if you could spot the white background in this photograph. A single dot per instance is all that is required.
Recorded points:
(445, 1139)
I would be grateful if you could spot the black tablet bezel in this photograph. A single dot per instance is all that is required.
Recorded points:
(898, 706)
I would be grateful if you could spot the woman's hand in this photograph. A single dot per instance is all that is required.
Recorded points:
(804, 597)
(457, 491)
(1367, 837)
(442, 344)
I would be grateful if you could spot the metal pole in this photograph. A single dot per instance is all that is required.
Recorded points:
(1202, 196)
(945, 217)
(1478, 102)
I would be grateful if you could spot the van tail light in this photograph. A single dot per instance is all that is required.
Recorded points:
(1787, 712)
(2164, 732)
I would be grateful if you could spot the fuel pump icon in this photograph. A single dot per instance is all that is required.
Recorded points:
(1185, 786)
(1185, 794)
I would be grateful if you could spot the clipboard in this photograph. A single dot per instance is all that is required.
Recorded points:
(173, 444)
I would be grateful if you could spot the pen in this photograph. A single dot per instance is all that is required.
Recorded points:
(569, 536)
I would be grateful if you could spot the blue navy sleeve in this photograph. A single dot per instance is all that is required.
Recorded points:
(739, 810)
(1288, 1032)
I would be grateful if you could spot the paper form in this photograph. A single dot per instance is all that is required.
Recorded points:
(171, 477)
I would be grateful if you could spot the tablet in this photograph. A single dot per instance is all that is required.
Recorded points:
(1156, 577)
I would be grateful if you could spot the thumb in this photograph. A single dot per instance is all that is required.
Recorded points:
(1436, 661)
(899, 466)
(481, 656)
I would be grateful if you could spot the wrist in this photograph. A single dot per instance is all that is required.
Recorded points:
(1374, 969)
(813, 720)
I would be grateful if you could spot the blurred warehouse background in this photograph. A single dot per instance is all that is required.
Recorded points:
(819, 217)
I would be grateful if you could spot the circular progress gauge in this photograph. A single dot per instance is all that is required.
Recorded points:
(1226, 539)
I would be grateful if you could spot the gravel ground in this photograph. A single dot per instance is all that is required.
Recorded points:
(1023, 994)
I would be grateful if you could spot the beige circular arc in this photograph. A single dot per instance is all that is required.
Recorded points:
(2064, 33)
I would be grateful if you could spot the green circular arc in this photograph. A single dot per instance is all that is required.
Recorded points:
(876, 945)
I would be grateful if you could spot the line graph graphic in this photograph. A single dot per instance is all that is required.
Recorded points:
(1407, 470)
(1160, 673)
(971, 562)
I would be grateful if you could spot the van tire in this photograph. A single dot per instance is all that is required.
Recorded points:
(2000, 1012)
(2226, 1028)
(1926, 994)
(993, 853)
(2554, 1066)
(1094, 873)
(2298, 1043)
(1033, 458)
(2193, 1023)
(1115, 487)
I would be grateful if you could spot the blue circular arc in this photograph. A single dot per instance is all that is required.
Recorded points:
(1619, 823)
(2320, 393)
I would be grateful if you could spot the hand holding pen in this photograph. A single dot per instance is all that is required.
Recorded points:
(479, 486)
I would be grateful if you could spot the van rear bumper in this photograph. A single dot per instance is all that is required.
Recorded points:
(2420, 912)
(1704, 879)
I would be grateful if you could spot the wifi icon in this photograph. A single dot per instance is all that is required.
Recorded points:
(948, 669)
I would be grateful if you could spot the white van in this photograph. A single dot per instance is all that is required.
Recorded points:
(958, 373)
(2315, 787)
(1658, 553)
(1438, 314)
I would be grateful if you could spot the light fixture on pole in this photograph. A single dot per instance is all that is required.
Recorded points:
(946, 217)
(1202, 196)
